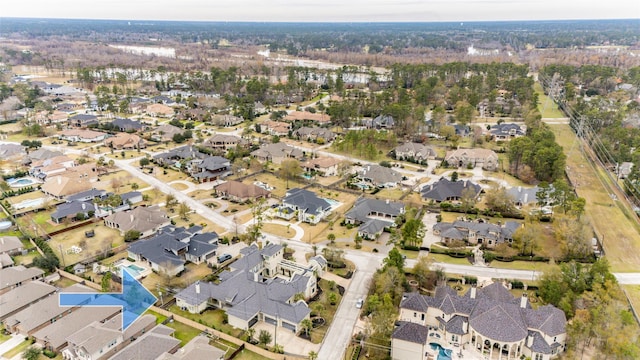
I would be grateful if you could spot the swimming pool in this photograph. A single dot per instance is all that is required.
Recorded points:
(22, 182)
(136, 271)
(443, 354)
(5, 224)
(29, 203)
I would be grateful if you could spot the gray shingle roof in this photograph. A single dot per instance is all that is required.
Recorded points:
(494, 313)
(306, 200)
(150, 345)
(445, 189)
(247, 297)
(23, 295)
(72, 208)
(411, 332)
(363, 208)
(379, 175)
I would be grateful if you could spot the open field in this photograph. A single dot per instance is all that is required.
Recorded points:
(171, 175)
(197, 219)
(547, 107)
(179, 186)
(104, 240)
(448, 259)
(278, 183)
(614, 223)
(42, 219)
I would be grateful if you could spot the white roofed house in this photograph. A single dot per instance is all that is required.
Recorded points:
(146, 220)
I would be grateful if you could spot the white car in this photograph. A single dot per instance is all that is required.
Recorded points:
(359, 303)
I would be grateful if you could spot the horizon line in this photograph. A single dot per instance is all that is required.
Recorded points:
(319, 22)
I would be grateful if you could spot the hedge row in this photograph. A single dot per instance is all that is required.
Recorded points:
(447, 206)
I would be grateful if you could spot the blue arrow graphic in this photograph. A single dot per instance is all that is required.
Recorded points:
(135, 299)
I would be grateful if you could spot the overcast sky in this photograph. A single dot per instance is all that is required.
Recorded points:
(324, 10)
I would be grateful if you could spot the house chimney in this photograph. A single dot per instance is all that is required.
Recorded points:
(368, 167)
(198, 287)
(2, 240)
(523, 301)
(529, 340)
(473, 291)
(84, 206)
(465, 326)
(387, 201)
(59, 180)
(131, 217)
(519, 189)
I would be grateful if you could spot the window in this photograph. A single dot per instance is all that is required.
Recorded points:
(415, 314)
(539, 357)
(422, 316)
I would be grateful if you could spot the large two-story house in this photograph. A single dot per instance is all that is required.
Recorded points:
(260, 286)
(489, 321)
(476, 232)
(309, 206)
(373, 216)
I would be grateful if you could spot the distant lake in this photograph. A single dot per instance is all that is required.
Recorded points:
(147, 50)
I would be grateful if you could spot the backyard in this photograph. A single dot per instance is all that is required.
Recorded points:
(104, 240)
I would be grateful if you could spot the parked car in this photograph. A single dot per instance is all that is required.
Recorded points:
(359, 303)
(224, 257)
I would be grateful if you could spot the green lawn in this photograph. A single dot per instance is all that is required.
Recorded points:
(249, 355)
(547, 107)
(3, 337)
(183, 332)
(211, 318)
(17, 350)
(522, 265)
(159, 318)
(443, 258)
(327, 311)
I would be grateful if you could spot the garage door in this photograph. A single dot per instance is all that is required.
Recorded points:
(289, 326)
(269, 320)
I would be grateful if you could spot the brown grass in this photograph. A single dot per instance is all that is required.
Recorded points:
(613, 221)
(105, 239)
(278, 230)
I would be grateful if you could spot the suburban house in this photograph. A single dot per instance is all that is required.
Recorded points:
(152, 344)
(506, 131)
(146, 220)
(319, 118)
(200, 166)
(477, 157)
(309, 206)
(127, 125)
(12, 151)
(224, 142)
(488, 320)
(447, 190)
(276, 128)
(10, 245)
(374, 216)
(476, 232)
(239, 192)
(51, 166)
(41, 154)
(323, 166)
(414, 152)
(21, 297)
(379, 176)
(523, 196)
(74, 210)
(277, 152)
(197, 348)
(82, 135)
(314, 134)
(165, 132)
(53, 117)
(381, 122)
(83, 120)
(172, 247)
(62, 186)
(93, 206)
(100, 340)
(125, 141)
(159, 110)
(54, 336)
(261, 286)
(209, 169)
(226, 120)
